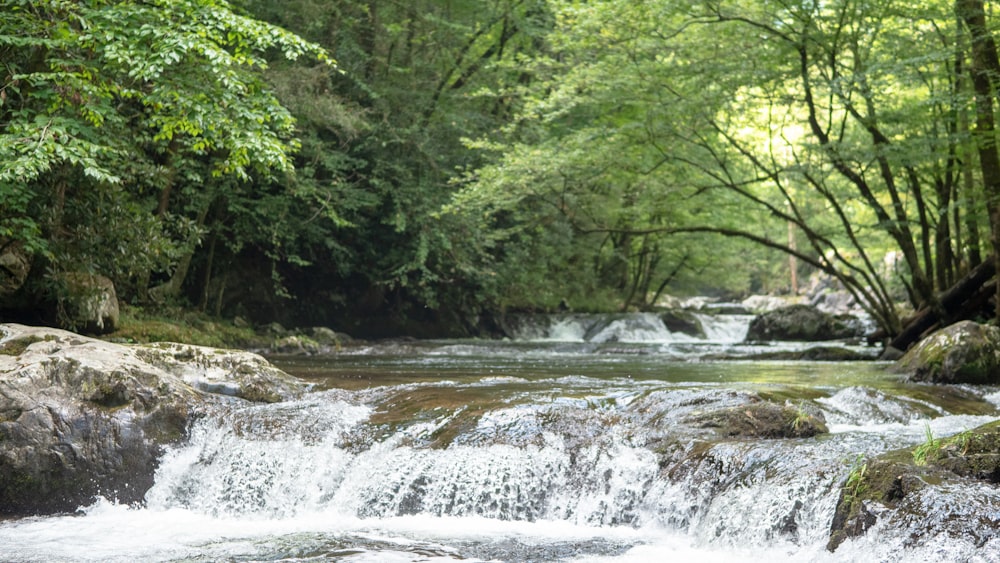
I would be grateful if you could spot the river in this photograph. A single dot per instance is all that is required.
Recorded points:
(558, 446)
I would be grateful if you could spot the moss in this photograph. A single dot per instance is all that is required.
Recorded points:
(889, 478)
(763, 419)
(177, 325)
(17, 346)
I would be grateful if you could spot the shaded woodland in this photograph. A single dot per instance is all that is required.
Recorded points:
(417, 167)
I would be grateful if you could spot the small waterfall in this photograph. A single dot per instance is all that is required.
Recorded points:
(234, 467)
(628, 328)
(726, 329)
(571, 465)
(564, 461)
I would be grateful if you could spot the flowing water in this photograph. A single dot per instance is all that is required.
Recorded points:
(576, 442)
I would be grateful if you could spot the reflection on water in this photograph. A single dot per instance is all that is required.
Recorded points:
(525, 451)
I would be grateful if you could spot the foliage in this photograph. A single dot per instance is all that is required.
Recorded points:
(856, 486)
(107, 105)
(928, 450)
(381, 143)
(138, 325)
(837, 122)
(504, 154)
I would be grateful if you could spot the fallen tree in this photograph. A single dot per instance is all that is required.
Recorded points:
(965, 300)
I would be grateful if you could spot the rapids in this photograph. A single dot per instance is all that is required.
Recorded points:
(553, 447)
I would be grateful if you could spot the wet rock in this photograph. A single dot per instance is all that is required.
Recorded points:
(803, 323)
(80, 417)
(924, 487)
(683, 322)
(763, 419)
(965, 352)
(90, 303)
(295, 344)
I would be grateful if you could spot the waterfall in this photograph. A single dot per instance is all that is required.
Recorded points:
(628, 328)
(589, 461)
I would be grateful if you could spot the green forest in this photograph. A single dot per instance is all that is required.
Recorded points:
(419, 167)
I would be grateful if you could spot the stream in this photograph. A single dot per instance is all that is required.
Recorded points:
(568, 443)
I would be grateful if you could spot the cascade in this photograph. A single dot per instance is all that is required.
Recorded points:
(548, 456)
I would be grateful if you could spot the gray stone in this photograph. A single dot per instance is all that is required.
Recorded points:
(80, 417)
(327, 337)
(764, 419)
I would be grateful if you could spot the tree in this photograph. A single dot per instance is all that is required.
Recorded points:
(115, 114)
(842, 119)
(382, 143)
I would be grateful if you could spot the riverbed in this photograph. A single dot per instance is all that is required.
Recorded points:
(551, 449)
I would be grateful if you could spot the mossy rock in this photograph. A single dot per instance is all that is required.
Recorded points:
(965, 352)
(763, 419)
(882, 483)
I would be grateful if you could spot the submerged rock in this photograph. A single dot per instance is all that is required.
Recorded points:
(811, 354)
(927, 489)
(81, 417)
(965, 352)
(803, 323)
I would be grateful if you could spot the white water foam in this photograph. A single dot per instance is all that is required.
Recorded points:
(725, 329)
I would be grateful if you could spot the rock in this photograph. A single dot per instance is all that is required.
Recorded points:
(965, 352)
(275, 329)
(728, 309)
(924, 488)
(765, 303)
(15, 264)
(295, 344)
(328, 338)
(683, 322)
(764, 419)
(90, 303)
(890, 354)
(803, 323)
(81, 417)
(816, 354)
(835, 302)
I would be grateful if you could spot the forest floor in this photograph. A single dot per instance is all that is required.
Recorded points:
(185, 326)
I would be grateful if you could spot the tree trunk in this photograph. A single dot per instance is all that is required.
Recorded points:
(984, 64)
(961, 301)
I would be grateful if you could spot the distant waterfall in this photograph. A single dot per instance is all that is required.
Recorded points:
(627, 328)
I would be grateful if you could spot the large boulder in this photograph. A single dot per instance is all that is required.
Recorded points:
(15, 264)
(90, 303)
(965, 352)
(80, 417)
(929, 490)
(803, 323)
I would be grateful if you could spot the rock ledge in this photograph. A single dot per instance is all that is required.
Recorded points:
(81, 417)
